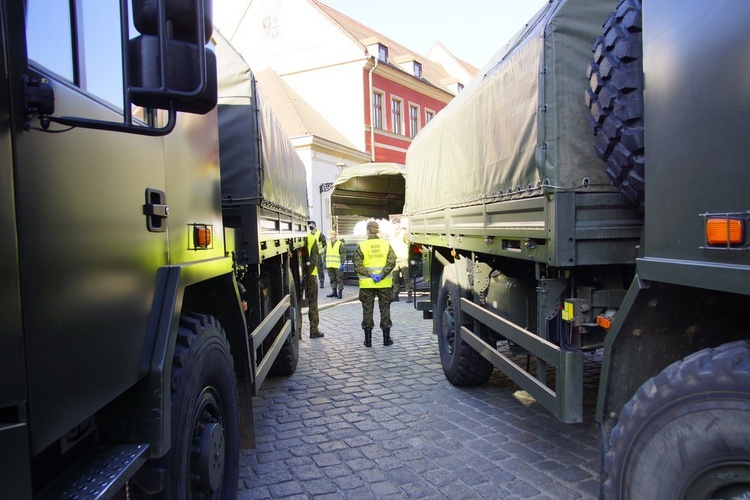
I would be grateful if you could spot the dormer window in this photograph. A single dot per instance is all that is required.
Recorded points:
(417, 69)
(382, 52)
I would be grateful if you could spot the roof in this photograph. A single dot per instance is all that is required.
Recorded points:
(432, 71)
(297, 117)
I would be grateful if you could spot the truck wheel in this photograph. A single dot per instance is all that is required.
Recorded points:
(286, 361)
(204, 459)
(462, 365)
(615, 98)
(685, 434)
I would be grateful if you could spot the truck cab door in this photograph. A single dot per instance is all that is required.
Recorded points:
(88, 251)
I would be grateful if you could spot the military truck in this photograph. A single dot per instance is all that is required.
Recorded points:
(151, 258)
(587, 195)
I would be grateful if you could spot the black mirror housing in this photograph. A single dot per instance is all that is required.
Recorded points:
(181, 14)
(183, 76)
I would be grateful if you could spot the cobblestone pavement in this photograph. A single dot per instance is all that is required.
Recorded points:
(383, 422)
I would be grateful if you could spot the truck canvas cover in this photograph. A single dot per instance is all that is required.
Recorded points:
(369, 190)
(521, 126)
(258, 163)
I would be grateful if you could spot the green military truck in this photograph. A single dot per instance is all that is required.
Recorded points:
(588, 193)
(152, 244)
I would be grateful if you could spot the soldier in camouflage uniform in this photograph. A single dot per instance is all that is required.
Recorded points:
(374, 260)
(310, 270)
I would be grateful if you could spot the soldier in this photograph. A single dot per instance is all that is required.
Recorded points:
(373, 262)
(400, 245)
(310, 269)
(320, 239)
(335, 257)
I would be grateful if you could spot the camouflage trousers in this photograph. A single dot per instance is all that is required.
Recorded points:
(367, 297)
(311, 292)
(336, 277)
(398, 273)
(322, 265)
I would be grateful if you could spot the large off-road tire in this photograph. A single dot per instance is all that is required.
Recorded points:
(286, 361)
(203, 462)
(615, 98)
(685, 433)
(462, 365)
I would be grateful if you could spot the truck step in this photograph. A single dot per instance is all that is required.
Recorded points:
(101, 474)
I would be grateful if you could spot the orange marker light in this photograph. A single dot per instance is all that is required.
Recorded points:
(725, 231)
(604, 322)
(202, 236)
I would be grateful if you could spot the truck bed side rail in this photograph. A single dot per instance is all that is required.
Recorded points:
(566, 403)
(263, 330)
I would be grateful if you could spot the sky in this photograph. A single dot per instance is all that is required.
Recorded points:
(472, 30)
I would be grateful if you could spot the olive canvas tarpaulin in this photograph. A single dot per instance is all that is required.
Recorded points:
(521, 127)
(270, 173)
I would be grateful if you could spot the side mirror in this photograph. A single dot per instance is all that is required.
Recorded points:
(170, 66)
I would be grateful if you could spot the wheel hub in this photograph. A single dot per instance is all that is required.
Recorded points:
(724, 480)
(449, 326)
(211, 455)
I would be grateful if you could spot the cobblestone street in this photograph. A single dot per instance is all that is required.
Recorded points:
(383, 422)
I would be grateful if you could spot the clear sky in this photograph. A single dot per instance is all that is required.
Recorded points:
(472, 30)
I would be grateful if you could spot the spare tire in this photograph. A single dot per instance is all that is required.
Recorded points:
(615, 98)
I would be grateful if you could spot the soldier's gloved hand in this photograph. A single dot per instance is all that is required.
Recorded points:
(341, 267)
(376, 278)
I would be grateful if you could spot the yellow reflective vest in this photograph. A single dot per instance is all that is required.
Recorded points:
(316, 236)
(333, 254)
(311, 240)
(375, 253)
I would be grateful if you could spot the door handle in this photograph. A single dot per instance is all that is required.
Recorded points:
(156, 210)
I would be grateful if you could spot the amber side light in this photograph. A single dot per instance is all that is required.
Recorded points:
(724, 231)
(604, 322)
(203, 237)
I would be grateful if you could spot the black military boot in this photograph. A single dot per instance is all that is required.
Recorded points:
(340, 292)
(395, 296)
(409, 297)
(368, 337)
(333, 293)
(387, 337)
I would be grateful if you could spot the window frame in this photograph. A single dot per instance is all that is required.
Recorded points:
(376, 113)
(397, 119)
(414, 122)
(429, 115)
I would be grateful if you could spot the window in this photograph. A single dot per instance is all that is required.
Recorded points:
(413, 120)
(377, 110)
(417, 69)
(92, 61)
(382, 52)
(428, 116)
(396, 118)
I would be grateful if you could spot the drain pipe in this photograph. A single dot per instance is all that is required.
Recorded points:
(372, 125)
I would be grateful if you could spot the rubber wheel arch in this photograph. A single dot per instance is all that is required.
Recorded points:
(615, 99)
(680, 427)
(462, 365)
